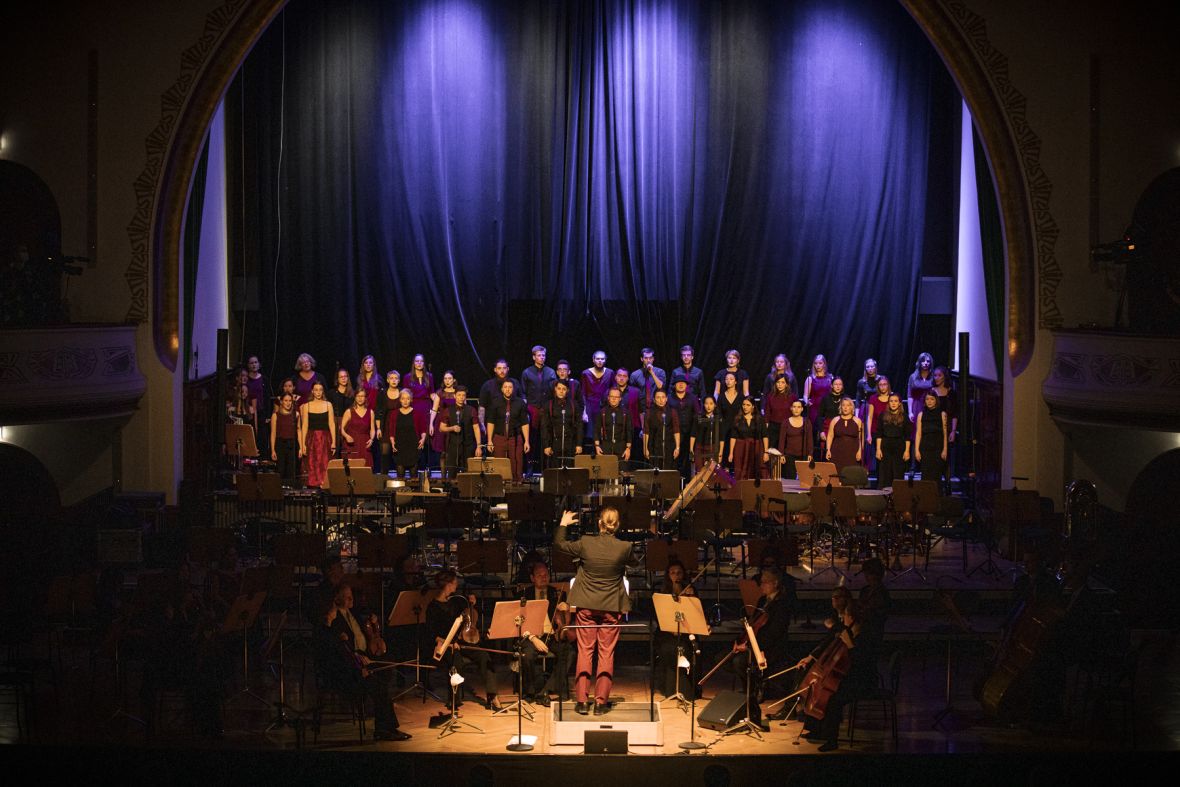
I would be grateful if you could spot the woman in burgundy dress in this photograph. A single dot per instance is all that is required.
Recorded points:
(845, 436)
(796, 440)
(776, 408)
(875, 407)
(442, 401)
(816, 387)
(358, 430)
(284, 438)
(420, 384)
(747, 442)
(921, 381)
(317, 432)
(369, 379)
(305, 377)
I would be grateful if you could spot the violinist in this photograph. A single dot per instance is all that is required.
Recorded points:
(538, 686)
(440, 616)
(859, 678)
(770, 621)
(668, 650)
(343, 664)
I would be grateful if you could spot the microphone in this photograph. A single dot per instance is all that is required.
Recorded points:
(347, 471)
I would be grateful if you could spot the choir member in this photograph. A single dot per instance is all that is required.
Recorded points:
(816, 387)
(284, 438)
(632, 400)
(829, 408)
(560, 427)
(747, 442)
(490, 390)
(262, 396)
(688, 408)
(596, 381)
(796, 440)
(866, 386)
(356, 426)
(575, 388)
(369, 378)
(461, 428)
(707, 435)
(781, 366)
(845, 439)
(420, 383)
(240, 409)
(661, 435)
(921, 380)
(317, 435)
(613, 432)
(931, 436)
(648, 378)
(689, 373)
(948, 401)
(536, 381)
(387, 401)
(892, 436)
(733, 360)
(729, 405)
(874, 407)
(305, 377)
(405, 439)
(288, 387)
(341, 396)
(508, 428)
(776, 408)
(441, 401)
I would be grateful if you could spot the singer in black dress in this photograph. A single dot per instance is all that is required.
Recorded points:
(707, 442)
(893, 443)
(932, 437)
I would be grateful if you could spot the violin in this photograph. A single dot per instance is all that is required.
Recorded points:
(376, 643)
(687, 589)
(470, 630)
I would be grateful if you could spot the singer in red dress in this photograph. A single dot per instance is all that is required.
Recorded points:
(816, 387)
(357, 427)
(317, 431)
(442, 401)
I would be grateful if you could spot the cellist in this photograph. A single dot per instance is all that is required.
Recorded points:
(770, 621)
(860, 675)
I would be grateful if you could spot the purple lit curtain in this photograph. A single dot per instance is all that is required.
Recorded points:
(466, 179)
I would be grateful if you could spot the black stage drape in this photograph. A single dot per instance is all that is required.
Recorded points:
(466, 179)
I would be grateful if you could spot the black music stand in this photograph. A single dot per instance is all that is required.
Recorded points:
(381, 553)
(712, 516)
(834, 503)
(482, 488)
(566, 482)
(301, 550)
(410, 610)
(345, 482)
(491, 556)
(602, 468)
(259, 489)
(448, 519)
(917, 497)
(242, 615)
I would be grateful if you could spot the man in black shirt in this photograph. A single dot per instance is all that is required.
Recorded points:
(508, 428)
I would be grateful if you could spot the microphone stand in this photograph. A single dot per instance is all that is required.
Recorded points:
(518, 654)
(692, 743)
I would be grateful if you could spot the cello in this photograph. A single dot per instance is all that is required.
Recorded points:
(824, 675)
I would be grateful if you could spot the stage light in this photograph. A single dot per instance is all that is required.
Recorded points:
(3, 143)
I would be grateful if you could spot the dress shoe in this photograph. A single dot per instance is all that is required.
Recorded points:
(601, 708)
(582, 708)
(391, 735)
(493, 704)
(829, 746)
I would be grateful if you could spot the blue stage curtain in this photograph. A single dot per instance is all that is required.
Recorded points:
(466, 179)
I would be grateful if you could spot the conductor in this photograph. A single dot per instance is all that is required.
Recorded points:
(600, 597)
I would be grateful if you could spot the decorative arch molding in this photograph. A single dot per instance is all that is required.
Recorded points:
(957, 34)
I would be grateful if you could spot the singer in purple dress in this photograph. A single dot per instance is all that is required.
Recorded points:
(921, 380)
(421, 386)
(441, 401)
(796, 439)
(305, 377)
(816, 387)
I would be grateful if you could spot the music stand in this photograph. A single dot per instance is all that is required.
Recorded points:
(566, 481)
(242, 615)
(380, 553)
(835, 503)
(658, 484)
(602, 468)
(755, 658)
(491, 465)
(634, 513)
(750, 591)
(681, 615)
(241, 438)
(660, 552)
(821, 474)
(712, 516)
(518, 620)
(917, 497)
(694, 487)
(301, 550)
(409, 609)
(259, 488)
(448, 519)
(491, 556)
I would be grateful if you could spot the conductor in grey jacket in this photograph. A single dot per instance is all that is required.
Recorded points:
(600, 597)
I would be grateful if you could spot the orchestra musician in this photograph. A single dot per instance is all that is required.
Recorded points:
(668, 650)
(860, 677)
(538, 686)
(771, 622)
(600, 596)
(440, 616)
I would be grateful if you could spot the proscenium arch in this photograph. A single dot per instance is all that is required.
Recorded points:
(931, 16)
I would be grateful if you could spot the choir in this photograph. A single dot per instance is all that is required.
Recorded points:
(646, 416)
